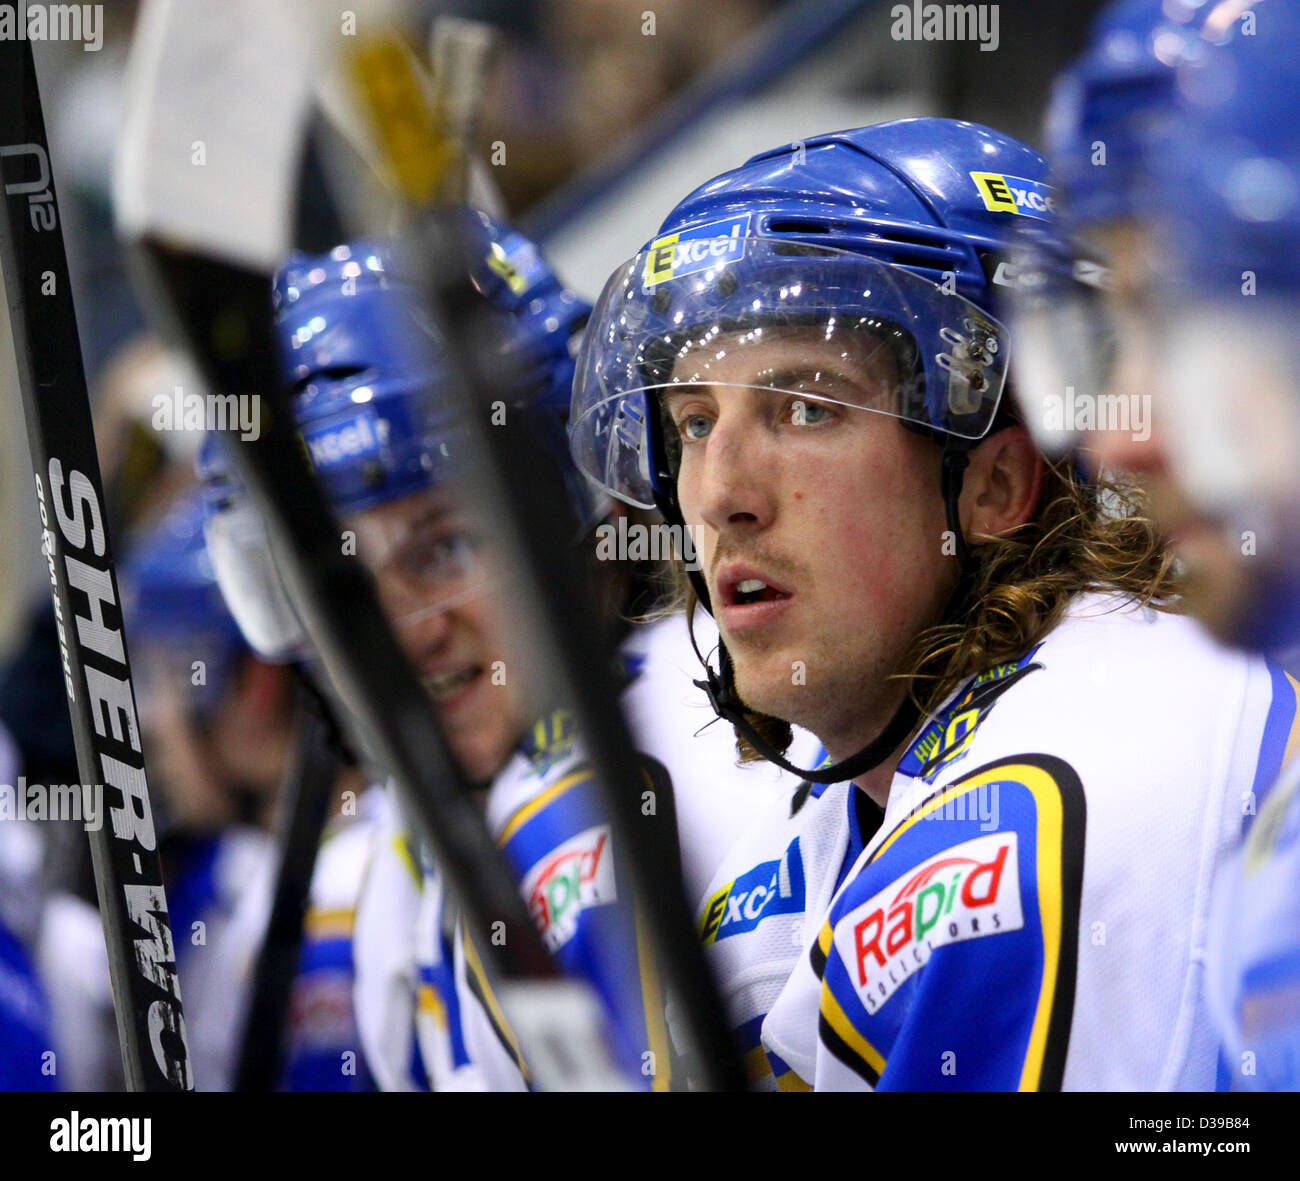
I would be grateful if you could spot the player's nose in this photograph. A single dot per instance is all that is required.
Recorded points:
(734, 488)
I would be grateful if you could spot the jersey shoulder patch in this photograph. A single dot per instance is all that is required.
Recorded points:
(948, 960)
(948, 737)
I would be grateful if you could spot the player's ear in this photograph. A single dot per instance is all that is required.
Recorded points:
(1003, 483)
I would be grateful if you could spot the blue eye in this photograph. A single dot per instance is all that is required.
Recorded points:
(438, 558)
(695, 426)
(805, 412)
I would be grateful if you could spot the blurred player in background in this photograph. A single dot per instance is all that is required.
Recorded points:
(218, 722)
(806, 365)
(387, 447)
(1202, 240)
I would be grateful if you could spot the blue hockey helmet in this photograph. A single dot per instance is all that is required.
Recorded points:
(1109, 113)
(1112, 104)
(174, 606)
(365, 363)
(886, 238)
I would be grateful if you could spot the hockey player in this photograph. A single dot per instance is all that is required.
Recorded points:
(386, 448)
(1210, 298)
(1035, 764)
(1089, 370)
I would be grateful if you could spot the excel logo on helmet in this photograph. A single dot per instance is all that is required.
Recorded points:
(1015, 194)
(697, 249)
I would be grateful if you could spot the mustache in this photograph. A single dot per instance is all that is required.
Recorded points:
(779, 567)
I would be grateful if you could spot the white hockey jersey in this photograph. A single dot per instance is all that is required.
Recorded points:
(1031, 911)
(543, 808)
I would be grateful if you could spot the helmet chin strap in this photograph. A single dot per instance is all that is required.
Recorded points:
(720, 686)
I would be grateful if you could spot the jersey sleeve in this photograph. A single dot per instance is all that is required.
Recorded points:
(948, 960)
(577, 888)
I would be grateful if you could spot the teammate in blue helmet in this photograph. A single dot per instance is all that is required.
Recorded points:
(1207, 296)
(801, 364)
(365, 370)
(1213, 299)
(1088, 368)
(1105, 112)
(199, 684)
(388, 450)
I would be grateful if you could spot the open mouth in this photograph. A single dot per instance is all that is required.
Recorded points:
(443, 686)
(739, 586)
(755, 590)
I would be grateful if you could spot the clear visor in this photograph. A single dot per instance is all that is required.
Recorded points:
(813, 323)
(1228, 394)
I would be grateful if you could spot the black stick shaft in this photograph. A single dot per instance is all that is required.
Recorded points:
(97, 676)
(303, 808)
(527, 503)
(223, 314)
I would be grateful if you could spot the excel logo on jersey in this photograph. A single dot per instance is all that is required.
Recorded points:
(570, 878)
(966, 892)
(774, 887)
(1015, 194)
(697, 249)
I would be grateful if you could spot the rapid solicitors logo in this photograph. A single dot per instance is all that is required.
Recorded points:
(577, 875)
(947, 22)
(967, 891)
(54, 22)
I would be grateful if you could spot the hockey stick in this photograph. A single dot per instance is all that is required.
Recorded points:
(460, 54)
(97, 675)
(207, 243)
(526, 503)
(304, 809)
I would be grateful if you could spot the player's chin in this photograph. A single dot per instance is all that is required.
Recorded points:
(480, 752)
(772, 683)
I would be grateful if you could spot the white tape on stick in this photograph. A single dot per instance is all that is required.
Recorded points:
(217, 98)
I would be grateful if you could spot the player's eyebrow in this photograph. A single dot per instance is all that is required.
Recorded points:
(669, 393)
(793, 377)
